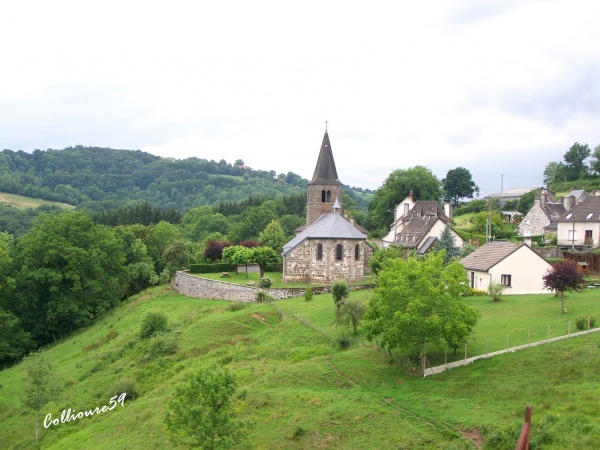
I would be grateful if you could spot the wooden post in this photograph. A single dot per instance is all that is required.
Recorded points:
(569, 331)
(423, 366)
(589, 322)
(548, 332)
(465, 352)
(446, 355)
(507, 343)
(523, 442)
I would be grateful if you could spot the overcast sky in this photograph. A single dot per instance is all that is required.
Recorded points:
(498, 87)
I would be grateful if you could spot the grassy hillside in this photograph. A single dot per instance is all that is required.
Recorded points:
(22, 202)
(302, 391)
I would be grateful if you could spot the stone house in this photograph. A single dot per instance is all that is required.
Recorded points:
(515, 266)
(542, 216)
(329, 247)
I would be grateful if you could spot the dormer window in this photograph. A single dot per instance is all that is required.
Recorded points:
(589, 216)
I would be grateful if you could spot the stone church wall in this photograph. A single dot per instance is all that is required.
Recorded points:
(301, 264)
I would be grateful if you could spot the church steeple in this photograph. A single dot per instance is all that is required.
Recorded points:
(325, 188)
(325, 171)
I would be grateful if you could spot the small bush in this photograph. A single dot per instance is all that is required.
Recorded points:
(308, 295)
(126, 385)
(162, 344)
(265, 282)
(477, 293)
(582, 322)
(340, 292)
(344, 343)
(236, 306)
(262, 296)
(154, 322)
(495, 291)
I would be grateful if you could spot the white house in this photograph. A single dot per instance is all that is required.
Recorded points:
(515, 266)
(580, 227)
(417, 225)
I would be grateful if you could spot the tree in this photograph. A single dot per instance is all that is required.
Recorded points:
(39, 388)
(446, 243)
(595, 161)
(350, 312)
(273, 236)
(418, 302)
(459, 184)
(14, 341)
(202, 412)
(554, 171)
(420, 180)
(176, 256)
(339, 292)
(265, 257)
(214, 250)
(382, 255)
(563, 277)
(238, 255)
(70, 271)
(575, 161)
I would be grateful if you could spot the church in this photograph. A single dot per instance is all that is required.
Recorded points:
(329, 247)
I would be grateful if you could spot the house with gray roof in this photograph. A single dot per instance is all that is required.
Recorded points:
(329, 247)
(542, 216)
(515, 266)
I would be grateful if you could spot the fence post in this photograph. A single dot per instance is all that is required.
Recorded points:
(589, 322)
(446, 356)
(569, 331)
(465, 352)
(507, 343)
(548, 332)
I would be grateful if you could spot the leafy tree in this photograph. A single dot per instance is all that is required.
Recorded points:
(339, 292)
(595, 161)
(479, 221)
(202, 412)
(526, 202)
(554, 171)
(214, 250)
(382, 255)
(446, 243)
(350, 312)
(575, 161)
(238, 255)
(39, 386)
(420, 180)
(70, 271)
(563, 277)
(265, 257)
(418, 302)
(289, 223)
(273, 236)
(459, 184)
(176, 257)
(14, 341)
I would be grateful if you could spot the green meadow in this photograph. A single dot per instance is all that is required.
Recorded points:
(301, 390)
(22, 202)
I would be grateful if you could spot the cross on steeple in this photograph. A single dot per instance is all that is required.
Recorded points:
(326, 126)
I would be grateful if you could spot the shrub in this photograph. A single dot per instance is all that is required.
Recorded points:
(266, 282)
(477, 293)
(340, 292)
(262, 296)
(582, 322)
(308, 295)
(495, 291)
(153, 322)
(126, 385)
(162, 344)
(236, 306)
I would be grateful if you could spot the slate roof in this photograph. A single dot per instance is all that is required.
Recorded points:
(587, 211)
(488, 255)
(511, 193)
(418, 222)
(328, 226)
(325, 171)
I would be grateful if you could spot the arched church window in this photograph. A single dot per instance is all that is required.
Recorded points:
(323, 196)
(356, 252)
(328, 196)
(319, 251)
(339, 252)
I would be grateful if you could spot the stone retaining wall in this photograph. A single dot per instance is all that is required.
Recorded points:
(194, 286)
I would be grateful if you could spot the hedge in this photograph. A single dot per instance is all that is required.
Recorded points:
(211, 268)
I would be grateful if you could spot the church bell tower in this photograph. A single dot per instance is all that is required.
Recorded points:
(324, 190)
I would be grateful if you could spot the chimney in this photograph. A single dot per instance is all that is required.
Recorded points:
(527, 241)
(448, 210)
(410, 196)
(569, 202)
(543, 198)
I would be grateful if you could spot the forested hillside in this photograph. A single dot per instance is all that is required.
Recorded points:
(96, 179)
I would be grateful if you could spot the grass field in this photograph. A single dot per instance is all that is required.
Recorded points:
(22, 202)
(302, 391)
(241, 278)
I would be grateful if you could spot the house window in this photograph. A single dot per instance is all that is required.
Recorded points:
(588, 234)
(356, 252)
(319, 251)
(406, 209)
(339, 252)
(572, 235)
(505, 280)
